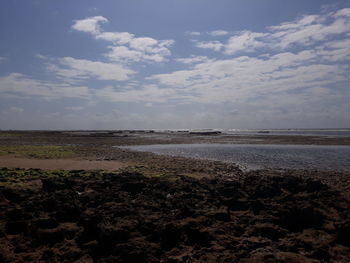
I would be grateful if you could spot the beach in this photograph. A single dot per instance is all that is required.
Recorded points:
(78, 197)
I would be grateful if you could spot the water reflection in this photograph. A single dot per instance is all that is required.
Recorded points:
(257, 156)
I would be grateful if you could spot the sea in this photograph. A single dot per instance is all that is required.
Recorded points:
(343, 132)
(261, 156)
(303, 132)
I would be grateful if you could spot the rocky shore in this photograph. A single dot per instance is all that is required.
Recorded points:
(165, 209)
(83, 216)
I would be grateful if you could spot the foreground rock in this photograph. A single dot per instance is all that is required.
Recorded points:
(106, 217)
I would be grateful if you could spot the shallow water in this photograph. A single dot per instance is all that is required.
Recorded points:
(258, 156)
(298, 132)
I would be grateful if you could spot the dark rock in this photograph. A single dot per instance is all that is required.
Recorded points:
(13, 195)
(46, 223)
(299, 218)
(16, 227)
(132, 188)
(343, 234)
(16, 214)
(49, 204)
(238, 205)
(321, 254)
(170, 236)
(256, 206)
(47, 254)
(110, 235)
(67, 213)
(315, 186)
(267, 230)
(49, 236)
(222, 216)
(50, 185)
(69, 230)
(199, 237)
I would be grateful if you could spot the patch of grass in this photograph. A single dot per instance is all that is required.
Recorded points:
(37, 151)
(19, 178)
(9, 134)
(197, 175)
(151, 173)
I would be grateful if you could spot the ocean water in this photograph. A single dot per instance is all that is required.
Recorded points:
(303, 132)
(258, 156)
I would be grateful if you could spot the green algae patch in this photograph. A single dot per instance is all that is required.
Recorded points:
(197, 176)
(10, 134)
(38, 151)
(26, 178)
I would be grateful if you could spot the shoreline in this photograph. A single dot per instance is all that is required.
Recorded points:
(164, 209)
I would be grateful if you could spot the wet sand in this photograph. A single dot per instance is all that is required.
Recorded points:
(59, 164)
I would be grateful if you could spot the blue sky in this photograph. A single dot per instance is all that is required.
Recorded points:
(161, 64)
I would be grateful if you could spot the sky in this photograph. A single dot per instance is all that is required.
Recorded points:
(174, 64)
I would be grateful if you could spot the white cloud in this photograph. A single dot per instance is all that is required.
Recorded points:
(143, 43)
(141, 49)
(214, 45)
(74, 108)
(147, 93)
(303, 32)
(120, 38)
(246, 41)
(246, 78)
(90, 24)
(17, 85)
(69, 68)
(216, 33)
(303, 21)
(192, 59)
(299, 72)
(193, 33)
(345, 12)
(123, 53)
(16, 109)
(309, 30)
(3, 59)
(126, 47)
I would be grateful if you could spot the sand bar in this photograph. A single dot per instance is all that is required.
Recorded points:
(60, 164)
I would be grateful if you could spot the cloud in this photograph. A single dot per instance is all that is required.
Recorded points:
(73, 108)
(192, 59)
(2, 59)
(289, 73)
(247, 78)
(246, 41)
(69, 68)
(120, 38)
(16, 109)
(216, 33)
(345, 12)
(305, 31)
(126, 47)
(214, 45)
(309, 30)
(90, 24)
(141, 49)
(193, 33)
(146, 93)
(16, 85)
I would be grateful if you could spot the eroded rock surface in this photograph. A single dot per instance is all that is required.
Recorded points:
(126, 217)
